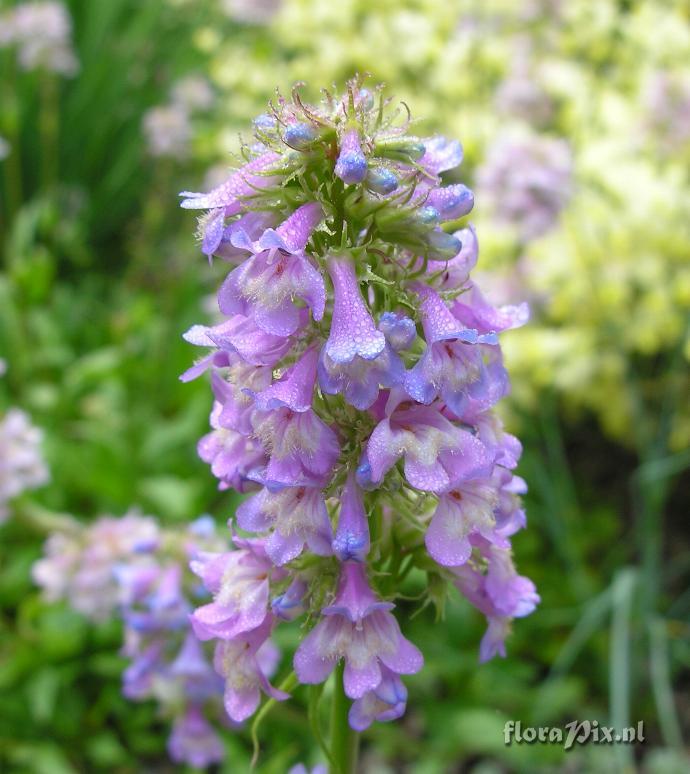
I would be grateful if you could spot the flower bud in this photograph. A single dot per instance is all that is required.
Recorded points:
(381, 180)
(405, 149)
(300, 136)
(351, 166)
(443, 246)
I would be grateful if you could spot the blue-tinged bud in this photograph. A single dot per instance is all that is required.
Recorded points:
(300, 136)
(351, 166)
(265, 121)
(289, 605)
(363, 475)
(427, 215)
(381, 180)
(442, 245)
(351, 541)
(453, 201)
(400, 331)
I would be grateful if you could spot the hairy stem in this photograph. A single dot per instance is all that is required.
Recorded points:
(344, 741)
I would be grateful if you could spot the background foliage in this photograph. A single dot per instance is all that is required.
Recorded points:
(100, 276)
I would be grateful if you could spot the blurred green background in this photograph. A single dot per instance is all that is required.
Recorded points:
(101, 275)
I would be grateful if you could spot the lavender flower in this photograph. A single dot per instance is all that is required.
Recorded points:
(132, 567)
(527, 182)
(355, 376)
(666, 105)
(21, 462)
(360, 629)
(42, 33)
(168, 128)
(79, 566)
(168, 131)
(250, 11)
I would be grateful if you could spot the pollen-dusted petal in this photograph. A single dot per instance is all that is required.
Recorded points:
(265, 287)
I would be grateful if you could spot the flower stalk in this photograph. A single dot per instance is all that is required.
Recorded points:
(344, 740)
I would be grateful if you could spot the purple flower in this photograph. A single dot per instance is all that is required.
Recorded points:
(440, 155)
(506, 448)
(297, 515)
(464, 509)
(300, 136)
(384, 703)
(193, 669)
(509, 514)
(217, 239)
(194, 741)
(353, 332)
(137, 679)
(239, 582)
(294, 391)
(242, 183)
(233, 457)
(473, 310)
(237, 660)
(360, 629)
(437, 453)
(359, 293)
(453, 274)
(453, 364)
(237, 339)
(351, 166)
(300, 768)
(302, 447)
(237, 402)
(266, 285)
(356, 359)
(21, 461)
(527, 182)
(351, 540)
(42, 32)
(500, 593)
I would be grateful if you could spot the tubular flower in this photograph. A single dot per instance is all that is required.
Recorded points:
(133, 568)
(355, 375)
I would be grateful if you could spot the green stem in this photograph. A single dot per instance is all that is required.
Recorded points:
(344, 741)
(49, 128)
(11, 130)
